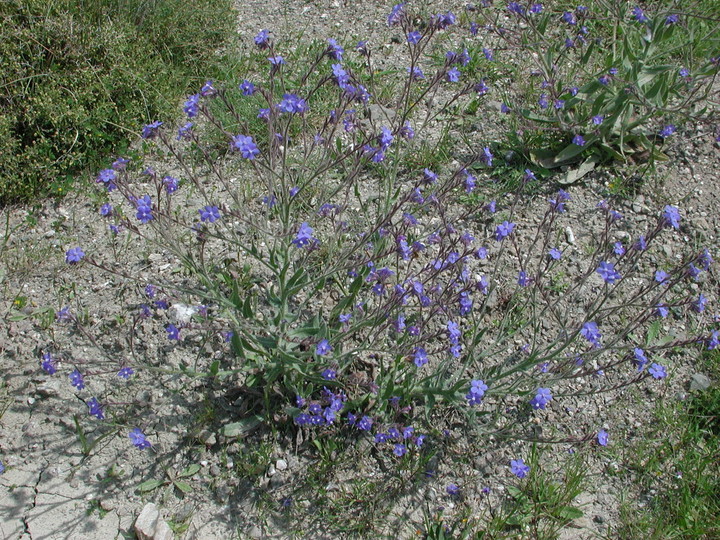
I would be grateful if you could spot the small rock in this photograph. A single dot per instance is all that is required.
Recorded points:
(569, 236)
(281, 465)
(271, 470)
(214, 470)
(150, 526)
(599, 519)
(699, 382)
(255, 532)
(182, 313)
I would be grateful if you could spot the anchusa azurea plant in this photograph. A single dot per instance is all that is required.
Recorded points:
(351, 289)
(608, 82)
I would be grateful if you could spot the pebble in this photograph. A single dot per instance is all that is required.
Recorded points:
(281, 465)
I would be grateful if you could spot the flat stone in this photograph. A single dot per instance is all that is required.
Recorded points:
(699, 382)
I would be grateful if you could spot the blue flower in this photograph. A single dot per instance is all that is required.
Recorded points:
(74, 255)
(173, 332)
(143, 207)
(608, 273)
(49, 364)
(247, 88)
(555, 254)
(304, 237)
(603, 437)
(671, 216)
(151, 131)
(76, 379)
(420, 357)
(453, 75)
(578, 140)
(262, 40)
(192, 105)
(657, 371)
(396, 14)
(323, 348)
(328, 374)
(666, 131)
(518, 468)
(126, 373)
(209, 213)
(591, 332)
(399, 450)
(414, 37)
(95, 409)
(245, 145)
(541, 399)
(504, 230)
(137, 437)
(334, 50)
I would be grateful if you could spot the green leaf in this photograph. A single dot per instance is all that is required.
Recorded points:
(149, 485)
(183, 486)
(189, 471)
(569, 513)
(243, 427)
(214, 368)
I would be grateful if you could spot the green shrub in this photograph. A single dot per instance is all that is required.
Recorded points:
(79, 76)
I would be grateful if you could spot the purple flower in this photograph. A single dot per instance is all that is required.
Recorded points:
(639, 358)
(323, 348)
(666, 131)
(641, 244)
(173, 332)
(657, 371)
(304, 237)
(334, 50)
(608, 273)
(661, 310)
(107, 177)
(504, 230)
(541, 399)
(245, 145)
(137, 437)
(699, 305)
(598, 119)
(399, 450)
(262, 40)
(95, 409)
(328, 374)
(151, 131)
(185, 132)
(292, 104)
(209, 213)
(276, 61)
(543, 101)
(396, 14)
(106, 209)
(453, 75)
(247, 88)
(569, 18)
(420, 357)
(661, 276)
(76, 379)
(591, 332)
(578, 140)
(639, 16)
(414, 37)
(603, 437)
(125, 373)
(365, 423)
(49, 364)
(518, 468)
(171, 184)
(713, 341)
(452, 490)
(555, 254)
(705, 259)
(618, 249)
(74, 255)
(143, 207)
(671, 216)
(671, 19)
(523, 280)
(192, 105)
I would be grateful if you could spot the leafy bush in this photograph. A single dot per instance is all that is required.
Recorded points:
(352, 292)
(79, 78)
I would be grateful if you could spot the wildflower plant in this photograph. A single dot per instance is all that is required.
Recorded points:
(350, 293)
(607, 82)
